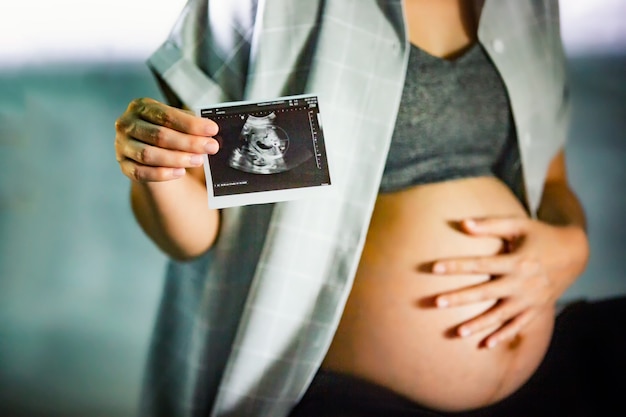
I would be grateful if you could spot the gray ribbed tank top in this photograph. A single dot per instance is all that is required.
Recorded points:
(454, 121)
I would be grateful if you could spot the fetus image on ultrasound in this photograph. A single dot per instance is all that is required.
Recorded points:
(264, 148)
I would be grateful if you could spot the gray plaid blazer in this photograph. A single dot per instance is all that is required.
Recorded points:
(242, 329)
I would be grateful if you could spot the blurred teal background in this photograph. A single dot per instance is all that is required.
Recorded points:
(79, 282)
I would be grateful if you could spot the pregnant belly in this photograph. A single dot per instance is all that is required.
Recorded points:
(391, 333)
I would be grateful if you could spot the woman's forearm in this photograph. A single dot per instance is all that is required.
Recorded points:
(561, 208)
(175, 215)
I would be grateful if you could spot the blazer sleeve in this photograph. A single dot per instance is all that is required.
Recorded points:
(206, 55)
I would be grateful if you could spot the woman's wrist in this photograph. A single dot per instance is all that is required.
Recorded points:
(176, 216)
(573, 255)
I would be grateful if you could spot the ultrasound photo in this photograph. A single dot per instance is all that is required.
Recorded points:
(269, 151)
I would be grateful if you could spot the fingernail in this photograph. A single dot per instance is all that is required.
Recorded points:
(211, 129)
(470, 223)
(179, 172)
(439, 268)
(211, 147)
(196, 160)
(491, 343)
(464, 332)
(442, 302)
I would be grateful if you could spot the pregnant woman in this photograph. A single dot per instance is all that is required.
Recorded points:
(444, 209)
(428, 283)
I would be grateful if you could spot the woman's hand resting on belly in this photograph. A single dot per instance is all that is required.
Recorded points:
(528, 277)
(391, 331)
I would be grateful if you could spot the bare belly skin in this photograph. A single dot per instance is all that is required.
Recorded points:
(391, 333)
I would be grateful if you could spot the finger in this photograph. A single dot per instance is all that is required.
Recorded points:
(501, 313)
(164, 137)
(163, 115)
(158, 157)
(486, 291)
(504, 227)
(510, 331)
(500, 264)
(144, 173)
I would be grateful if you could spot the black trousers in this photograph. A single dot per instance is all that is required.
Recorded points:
(582, 375)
